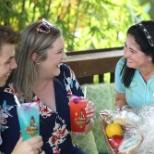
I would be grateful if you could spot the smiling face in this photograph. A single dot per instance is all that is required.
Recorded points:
(135, 57)
(7, 62)
(51, 66)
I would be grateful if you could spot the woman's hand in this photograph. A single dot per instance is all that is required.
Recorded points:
(30, 146)
(91, 112)
(120, 100)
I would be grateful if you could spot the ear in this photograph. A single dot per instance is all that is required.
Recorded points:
(34, 57)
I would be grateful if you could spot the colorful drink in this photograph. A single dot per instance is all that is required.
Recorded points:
(78, 116)
(28, 116)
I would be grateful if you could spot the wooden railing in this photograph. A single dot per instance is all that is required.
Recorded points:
(88, 63)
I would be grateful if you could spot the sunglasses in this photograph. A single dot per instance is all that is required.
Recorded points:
(44, 27)
(148, 36)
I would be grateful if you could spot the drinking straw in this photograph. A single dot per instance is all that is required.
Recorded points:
(17, 101)
(85, 91)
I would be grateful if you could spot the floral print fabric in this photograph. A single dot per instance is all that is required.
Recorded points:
(54, 126)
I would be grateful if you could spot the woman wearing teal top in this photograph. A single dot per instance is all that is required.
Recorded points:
(134, 79)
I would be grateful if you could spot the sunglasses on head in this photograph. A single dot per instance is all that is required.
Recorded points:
(44, 27)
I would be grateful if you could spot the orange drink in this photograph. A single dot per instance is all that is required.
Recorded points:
(78, 116)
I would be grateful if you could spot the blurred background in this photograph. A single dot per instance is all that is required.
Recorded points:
(86, 24)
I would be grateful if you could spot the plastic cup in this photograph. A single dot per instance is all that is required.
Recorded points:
(28, 116)
(78, 116)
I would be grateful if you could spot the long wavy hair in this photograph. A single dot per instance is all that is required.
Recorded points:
(141, 39)
(32, 41)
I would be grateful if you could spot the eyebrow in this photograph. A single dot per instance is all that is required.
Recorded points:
(60, 49)
(132, 49)
(10, 58)
(129, 47)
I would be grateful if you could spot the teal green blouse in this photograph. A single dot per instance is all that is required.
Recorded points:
(140, 92)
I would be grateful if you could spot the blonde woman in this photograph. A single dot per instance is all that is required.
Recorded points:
(42, 77)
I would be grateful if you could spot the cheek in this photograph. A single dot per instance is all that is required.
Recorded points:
(141, 58)
(54, 59)
(140, 62)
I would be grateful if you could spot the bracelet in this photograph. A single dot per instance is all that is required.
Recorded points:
(87, 122)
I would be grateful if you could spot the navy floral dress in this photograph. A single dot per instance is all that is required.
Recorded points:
(54, 126)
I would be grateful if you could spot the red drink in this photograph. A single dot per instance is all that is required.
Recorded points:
(78, 116)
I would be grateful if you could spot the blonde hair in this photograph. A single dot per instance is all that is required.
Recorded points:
(32, 41)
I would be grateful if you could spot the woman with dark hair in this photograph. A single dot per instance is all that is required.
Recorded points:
(134, 79)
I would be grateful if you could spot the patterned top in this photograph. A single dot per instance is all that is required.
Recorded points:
(139, 93)
(54, 126)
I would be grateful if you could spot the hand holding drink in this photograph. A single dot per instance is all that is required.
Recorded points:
(78, 114)
(28, 116)
(32, 145)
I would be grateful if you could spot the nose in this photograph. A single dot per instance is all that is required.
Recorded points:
(13, 64)
(64, 56)
(126, 52)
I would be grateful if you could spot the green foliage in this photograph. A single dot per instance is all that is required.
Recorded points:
(85, 24)
(106, 78)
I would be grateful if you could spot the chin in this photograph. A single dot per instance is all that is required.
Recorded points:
(57, 73)
(130, 65)
(2, 84)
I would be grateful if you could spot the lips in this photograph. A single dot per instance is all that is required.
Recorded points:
(129, 61)
(7, 75)
(59, 65)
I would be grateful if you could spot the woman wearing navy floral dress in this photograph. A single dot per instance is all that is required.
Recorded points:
(41, 77)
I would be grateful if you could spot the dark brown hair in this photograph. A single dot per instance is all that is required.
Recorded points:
(141, 39)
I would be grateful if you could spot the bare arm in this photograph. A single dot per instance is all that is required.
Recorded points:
(120, 100)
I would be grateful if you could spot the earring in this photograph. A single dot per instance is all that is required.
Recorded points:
(38, 63)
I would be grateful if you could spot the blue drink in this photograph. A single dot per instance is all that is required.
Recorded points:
(28, 116)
